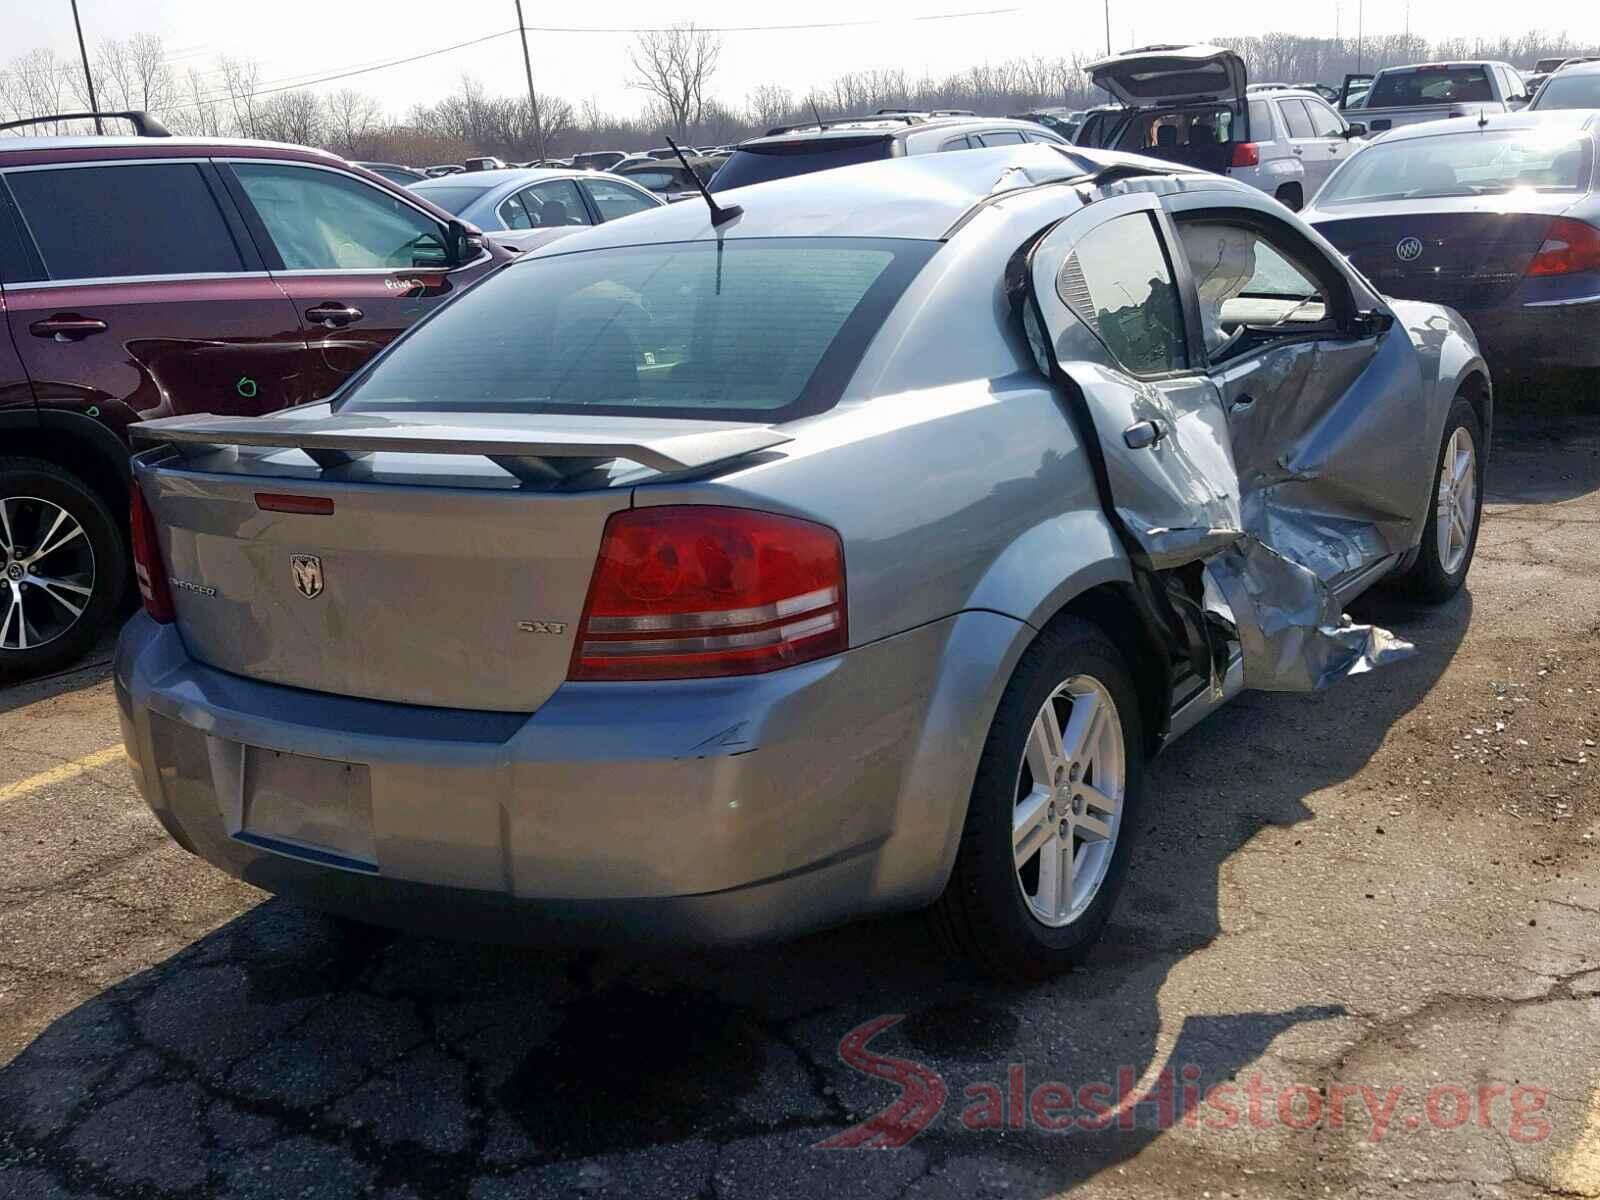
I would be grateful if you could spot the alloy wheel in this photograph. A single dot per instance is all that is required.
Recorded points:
(1458, 500)
(47, 572)
(1069, 795)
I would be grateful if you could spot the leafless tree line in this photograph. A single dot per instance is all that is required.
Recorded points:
(674, 69)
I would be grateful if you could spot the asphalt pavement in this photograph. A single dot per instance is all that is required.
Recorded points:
(1359, 955)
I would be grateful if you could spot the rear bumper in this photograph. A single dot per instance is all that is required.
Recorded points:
(701, 811)
(1530, 336)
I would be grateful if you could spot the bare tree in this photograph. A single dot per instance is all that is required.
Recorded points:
(241, 79)
(768, 105)
(291, 117)
(37, 84)
(351, 122)
(200, 112)
(675, 67)
(134, 74)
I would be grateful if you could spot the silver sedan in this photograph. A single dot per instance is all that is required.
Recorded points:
(847, 548)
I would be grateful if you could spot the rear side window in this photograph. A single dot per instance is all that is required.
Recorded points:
(1444, 85)
(323, 220)
(138, 219)
(1261, 121)
(614, 200)
(759, 328)
(1296, 118)
(1004, 137)
(781, 160)
(1118, 282)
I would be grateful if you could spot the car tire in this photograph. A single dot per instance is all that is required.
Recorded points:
(1437, 572)
(87, 569)
(992, 913)
(1291, 196)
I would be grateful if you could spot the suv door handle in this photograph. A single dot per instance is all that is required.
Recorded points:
(67, 327)
(1144, 435)
(331, 315)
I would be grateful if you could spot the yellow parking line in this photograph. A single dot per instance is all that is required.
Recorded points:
(1579, 1173)
(68, 770)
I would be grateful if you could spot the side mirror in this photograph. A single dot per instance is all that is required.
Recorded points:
(1355, 129)
(463, 241)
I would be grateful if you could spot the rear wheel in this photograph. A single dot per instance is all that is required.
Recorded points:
(1290, 196)
(62, 566)
(1450, 536)
(1049, 824)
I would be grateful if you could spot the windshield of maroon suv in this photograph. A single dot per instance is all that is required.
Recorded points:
(755, 328)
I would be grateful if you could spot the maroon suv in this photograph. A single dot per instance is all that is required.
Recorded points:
(144, 276)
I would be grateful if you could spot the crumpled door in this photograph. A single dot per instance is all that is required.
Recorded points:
(1256, 555)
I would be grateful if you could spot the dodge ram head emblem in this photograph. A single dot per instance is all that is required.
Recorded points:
(307, 574)
(1408, 249)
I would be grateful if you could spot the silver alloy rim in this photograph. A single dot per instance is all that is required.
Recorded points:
(46, 572)
(1069, 795)
(1458, 500)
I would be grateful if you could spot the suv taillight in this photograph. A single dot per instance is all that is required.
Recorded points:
(147, 565)
(1246, 154)
(695, 591)
(1569, 246)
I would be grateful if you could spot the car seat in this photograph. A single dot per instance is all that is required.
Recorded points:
(1222, 260)
(1167, 136)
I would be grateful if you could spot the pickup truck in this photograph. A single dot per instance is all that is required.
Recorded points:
(1432, 92)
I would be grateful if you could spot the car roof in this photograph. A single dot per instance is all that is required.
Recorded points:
(156, 144)
(888, 126)
(1572, 118)
(918, 196)
(487, 181)
(1586, 67)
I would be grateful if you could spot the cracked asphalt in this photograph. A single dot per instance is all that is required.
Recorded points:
(1392, 886)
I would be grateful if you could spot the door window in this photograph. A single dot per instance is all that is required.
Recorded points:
(322, 220)
(1003, 137)
(137, 219)
(1117, 282)
(554, 203)
(1324, 121)
(959, 143)
(1243, 278)
(617, 200)
(513, 213)
(1296, 118)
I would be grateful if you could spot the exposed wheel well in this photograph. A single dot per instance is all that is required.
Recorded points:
(1475, 389)
(107, 478)
(1290, 195)
(1113, 608)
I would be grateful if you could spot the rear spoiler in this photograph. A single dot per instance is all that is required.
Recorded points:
(537, 450)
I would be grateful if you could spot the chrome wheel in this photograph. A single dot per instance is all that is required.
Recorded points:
(1458, 500)
(47, 572)
(1069, 796)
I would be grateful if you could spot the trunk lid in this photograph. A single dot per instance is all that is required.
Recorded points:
(452, 568)
(1469, 255)
(1159, 75)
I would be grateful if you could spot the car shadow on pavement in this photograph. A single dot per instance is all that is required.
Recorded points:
(286, 1054)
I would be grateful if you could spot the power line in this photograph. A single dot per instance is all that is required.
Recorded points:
(955, 16)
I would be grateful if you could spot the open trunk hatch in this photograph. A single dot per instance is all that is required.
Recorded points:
(1159, 75)
(374, 576)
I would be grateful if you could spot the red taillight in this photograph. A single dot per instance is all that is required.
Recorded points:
(1569, 246)
(1247, 154)
(696, 591)
(284, 502)
(147, 566)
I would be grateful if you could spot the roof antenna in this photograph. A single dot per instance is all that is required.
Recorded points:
(1482, 120)
(720, 215)
(817, 113)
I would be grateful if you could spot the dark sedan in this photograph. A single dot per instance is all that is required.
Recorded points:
(1495, 216)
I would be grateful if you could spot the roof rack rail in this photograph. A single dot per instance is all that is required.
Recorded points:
(951, 112)
(144, 125)
(907, 117)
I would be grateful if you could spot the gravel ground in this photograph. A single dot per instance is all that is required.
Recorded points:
(1392, 886)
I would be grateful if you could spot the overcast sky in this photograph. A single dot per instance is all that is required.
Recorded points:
(296, 41)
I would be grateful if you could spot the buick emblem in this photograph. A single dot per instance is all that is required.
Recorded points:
(307, 574)
(1408, 249)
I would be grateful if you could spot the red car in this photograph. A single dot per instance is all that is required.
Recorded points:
(151, 275)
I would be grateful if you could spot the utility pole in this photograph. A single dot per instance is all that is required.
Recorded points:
(1108, 26)
(1360, 27)
(87, 77)
(533, 101)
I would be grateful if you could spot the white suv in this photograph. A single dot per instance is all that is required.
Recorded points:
(1192, 105)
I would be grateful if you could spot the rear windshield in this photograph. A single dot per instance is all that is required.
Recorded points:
(1464, 164)
(1444, 85)
(780, 160)
(757, 329)
(1570, 91)
(451, 199)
